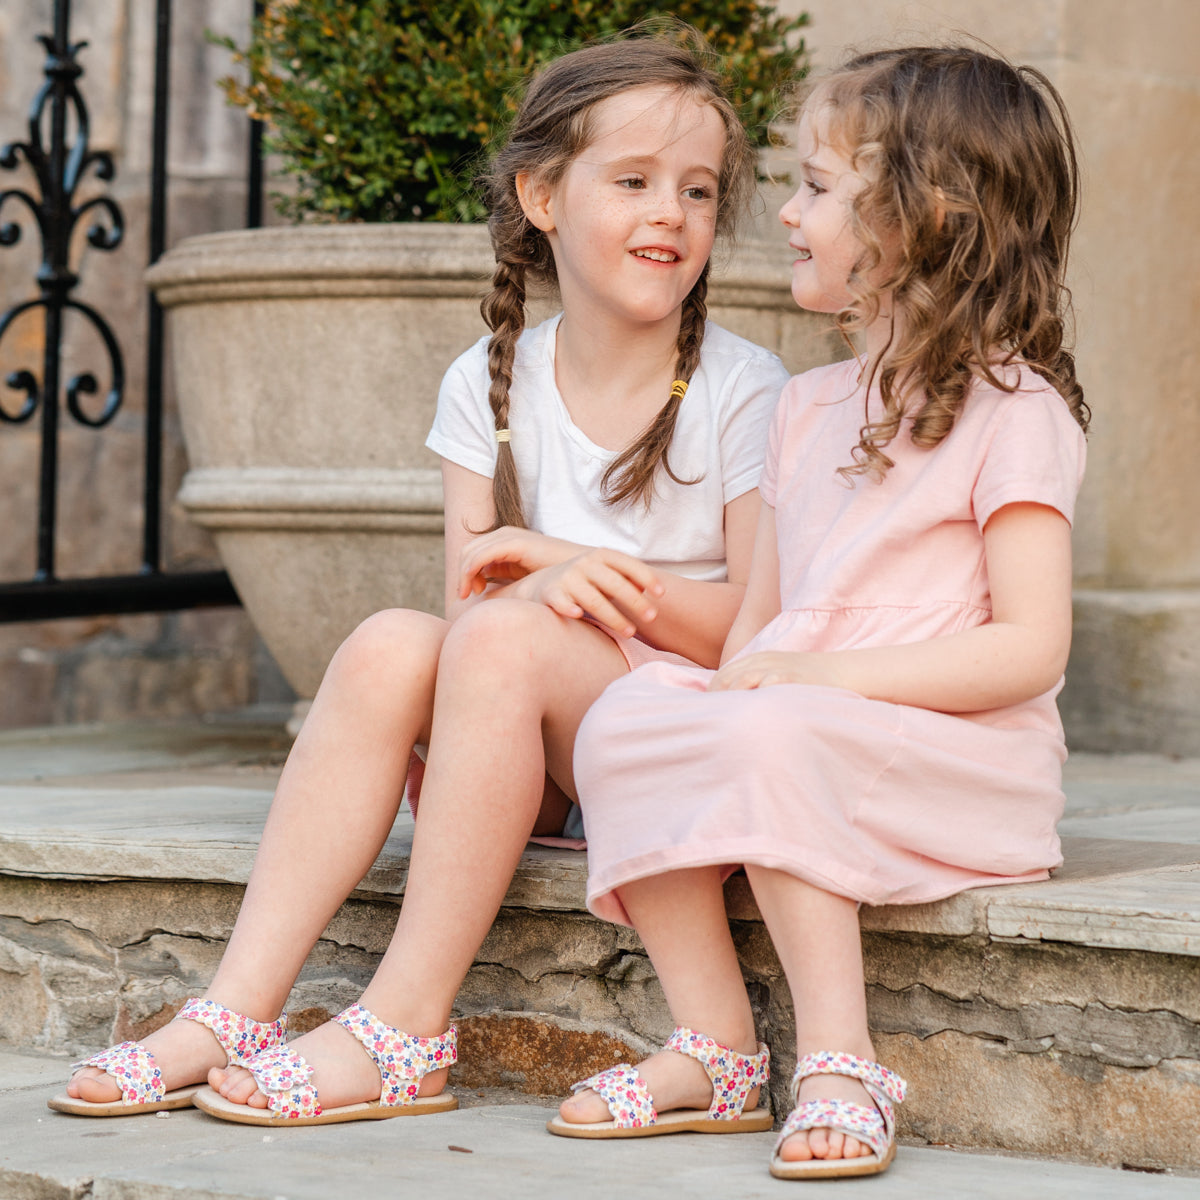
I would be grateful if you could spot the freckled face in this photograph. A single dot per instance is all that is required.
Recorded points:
(632, 221)
(818, 216)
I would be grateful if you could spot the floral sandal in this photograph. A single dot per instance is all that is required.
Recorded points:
(733, 1076)
(284, 1078)
(874, 1127)
(133, 1067)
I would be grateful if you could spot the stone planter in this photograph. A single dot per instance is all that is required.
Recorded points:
(307, 361)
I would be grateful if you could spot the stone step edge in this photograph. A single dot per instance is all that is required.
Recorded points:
(1109, 894)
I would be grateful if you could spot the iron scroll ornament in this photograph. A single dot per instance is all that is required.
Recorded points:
(59, 171)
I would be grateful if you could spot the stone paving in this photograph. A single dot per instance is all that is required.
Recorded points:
(486, 1149)
(1075, 999)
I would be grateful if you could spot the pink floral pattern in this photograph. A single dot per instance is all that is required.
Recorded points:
(240, 1037)
(873, 1127)
(283, 1077)
(403, 1060)
(733, 1075)
(626, 1094)
(134, 1069)
(138, 1075)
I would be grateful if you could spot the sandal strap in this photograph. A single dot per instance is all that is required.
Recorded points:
(733, 1075)
(842, 1116)
(626, 1094)
(285, 1079)
(138, 1075)
(134, 1069)
(885, 1087)
(402, 1058)
(240, 1037)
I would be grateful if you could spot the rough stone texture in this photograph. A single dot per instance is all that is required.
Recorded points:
(1035, 1047)
(1134, 675)
(534, 1054)
(88, 669)
(970, 1091)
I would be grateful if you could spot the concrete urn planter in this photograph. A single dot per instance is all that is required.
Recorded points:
(307, 361)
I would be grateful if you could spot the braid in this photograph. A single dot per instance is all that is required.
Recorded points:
(503, 309)
(630, 476)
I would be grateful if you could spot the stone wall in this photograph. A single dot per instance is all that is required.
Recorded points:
(115, 667)
(1039, 1048)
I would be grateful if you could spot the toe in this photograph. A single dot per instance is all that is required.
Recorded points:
(240, 1089)
(818, 1143)
(584, 1108)
(796, 1148)
(95, 1087)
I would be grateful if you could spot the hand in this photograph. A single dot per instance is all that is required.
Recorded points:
(612, 588)
(508, 554)
(770, 667)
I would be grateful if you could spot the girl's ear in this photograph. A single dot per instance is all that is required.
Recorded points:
(537, 200)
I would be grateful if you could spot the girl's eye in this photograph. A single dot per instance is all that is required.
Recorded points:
(814, 188)
(633, 183)
(699, 193)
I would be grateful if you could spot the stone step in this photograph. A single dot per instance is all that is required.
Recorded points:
(1058, 1019)
(495, 1145)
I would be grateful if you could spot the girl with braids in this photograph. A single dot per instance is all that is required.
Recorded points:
(883, 727)
(600, 477)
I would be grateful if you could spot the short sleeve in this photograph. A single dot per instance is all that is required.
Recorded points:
(768, 484)
(1036, 455)
(750, 401)
(463, 428)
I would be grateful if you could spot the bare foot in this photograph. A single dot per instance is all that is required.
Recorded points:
(343, 1072)
(674, 1080)
(827, 1143)
(185, 1052)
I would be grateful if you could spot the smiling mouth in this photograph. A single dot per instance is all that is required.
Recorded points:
(802, 255)
(657, 255)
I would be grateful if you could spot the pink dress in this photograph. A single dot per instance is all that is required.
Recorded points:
(880, 802)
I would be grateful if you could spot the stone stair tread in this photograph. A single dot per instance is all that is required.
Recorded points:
(186, 801)
(497, 1150)
(1056, 1019)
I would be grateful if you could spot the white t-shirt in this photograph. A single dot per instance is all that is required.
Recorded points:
(720, 437)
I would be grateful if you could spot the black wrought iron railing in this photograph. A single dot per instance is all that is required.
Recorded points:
(58, 154)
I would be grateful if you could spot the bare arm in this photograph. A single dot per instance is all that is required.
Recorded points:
(1019, 654)
(683, 615)
(760, 605)
(693, 618)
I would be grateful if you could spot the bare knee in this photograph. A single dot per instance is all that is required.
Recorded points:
(395, 650)
(503, 637)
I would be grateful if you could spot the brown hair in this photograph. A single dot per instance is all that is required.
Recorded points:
(552, 126)
(971, 161)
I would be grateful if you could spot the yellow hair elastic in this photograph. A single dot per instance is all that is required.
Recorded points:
(679, 389)
(502, 435)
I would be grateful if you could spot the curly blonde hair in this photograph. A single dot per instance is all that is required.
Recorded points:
(553, 125)
(971, 162)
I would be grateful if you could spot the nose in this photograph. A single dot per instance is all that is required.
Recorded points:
(669, 209)
(789, 214)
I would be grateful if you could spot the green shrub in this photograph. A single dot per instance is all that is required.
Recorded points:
(382, 109)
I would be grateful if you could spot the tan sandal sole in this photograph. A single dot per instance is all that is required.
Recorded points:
(179, 1098)
(216, 1105)
(838, 1168)
(680, 1120)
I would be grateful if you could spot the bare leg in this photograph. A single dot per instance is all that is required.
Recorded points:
(681, 919)
(817, 938)
(334, 807)
(514, 681)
